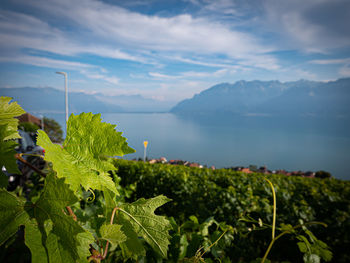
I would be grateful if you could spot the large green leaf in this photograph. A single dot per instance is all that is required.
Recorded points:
(83, 157)
(54, 198)
(139, 218)
(8, 112)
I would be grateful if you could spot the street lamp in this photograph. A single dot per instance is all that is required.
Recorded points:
(66, 95)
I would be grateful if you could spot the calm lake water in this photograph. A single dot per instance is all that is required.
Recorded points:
(306, 144)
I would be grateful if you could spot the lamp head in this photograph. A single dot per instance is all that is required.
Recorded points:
(62, 73)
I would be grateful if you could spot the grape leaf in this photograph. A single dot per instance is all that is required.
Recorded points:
(45, 246)
(139, 218)
(112, 233)
(7, 113)
(13, 214)
(3, 180)
(83, 158)
(132, 247)
(34, 241)
(85, 239)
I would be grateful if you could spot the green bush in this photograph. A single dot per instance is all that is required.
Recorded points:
(227, 195)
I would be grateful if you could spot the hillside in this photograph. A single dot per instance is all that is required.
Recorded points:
(52, 100)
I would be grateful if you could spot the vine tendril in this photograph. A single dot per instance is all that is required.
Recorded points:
(91, 198)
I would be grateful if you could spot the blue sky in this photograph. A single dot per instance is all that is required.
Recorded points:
(170, 50)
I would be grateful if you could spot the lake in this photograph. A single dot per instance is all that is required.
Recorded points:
(306, 144)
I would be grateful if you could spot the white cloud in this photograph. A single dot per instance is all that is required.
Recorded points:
(330, 61)
(19, 31)
(113, 80)
(117, 28)
(45, 62)
(158, 75)
(192, 74)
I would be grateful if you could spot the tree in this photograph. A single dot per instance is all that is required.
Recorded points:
(323, 174)
(28, 127)
(53, 129)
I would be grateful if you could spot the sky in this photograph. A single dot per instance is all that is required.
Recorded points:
(170, 50)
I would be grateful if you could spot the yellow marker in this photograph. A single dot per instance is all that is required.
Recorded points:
(145, 143)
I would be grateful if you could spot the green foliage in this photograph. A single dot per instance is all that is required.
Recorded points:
(62, 223)
(227, 196)
(59, 225)
(53, 130)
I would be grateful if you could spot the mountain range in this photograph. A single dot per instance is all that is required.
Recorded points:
(50, 100)
(271, 98)
(243, 98)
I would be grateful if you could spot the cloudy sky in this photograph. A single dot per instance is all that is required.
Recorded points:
(167, 49)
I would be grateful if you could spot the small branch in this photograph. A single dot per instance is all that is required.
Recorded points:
(107, 244)
(287, 232)
(113, 213)
(18, 156)
(71, 213)
(274, 207)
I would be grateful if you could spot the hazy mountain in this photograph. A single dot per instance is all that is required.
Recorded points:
(297, 98)
(47, 100)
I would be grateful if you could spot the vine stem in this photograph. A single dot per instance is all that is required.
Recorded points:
(216, 241)
(70, 211)
(18, 156)
(107, 244)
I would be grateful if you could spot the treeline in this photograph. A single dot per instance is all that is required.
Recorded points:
(228, 196)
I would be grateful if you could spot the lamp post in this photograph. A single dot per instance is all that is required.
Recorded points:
(66, 95)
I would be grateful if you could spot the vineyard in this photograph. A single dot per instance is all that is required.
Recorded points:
(85, 206)
(228, 196)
